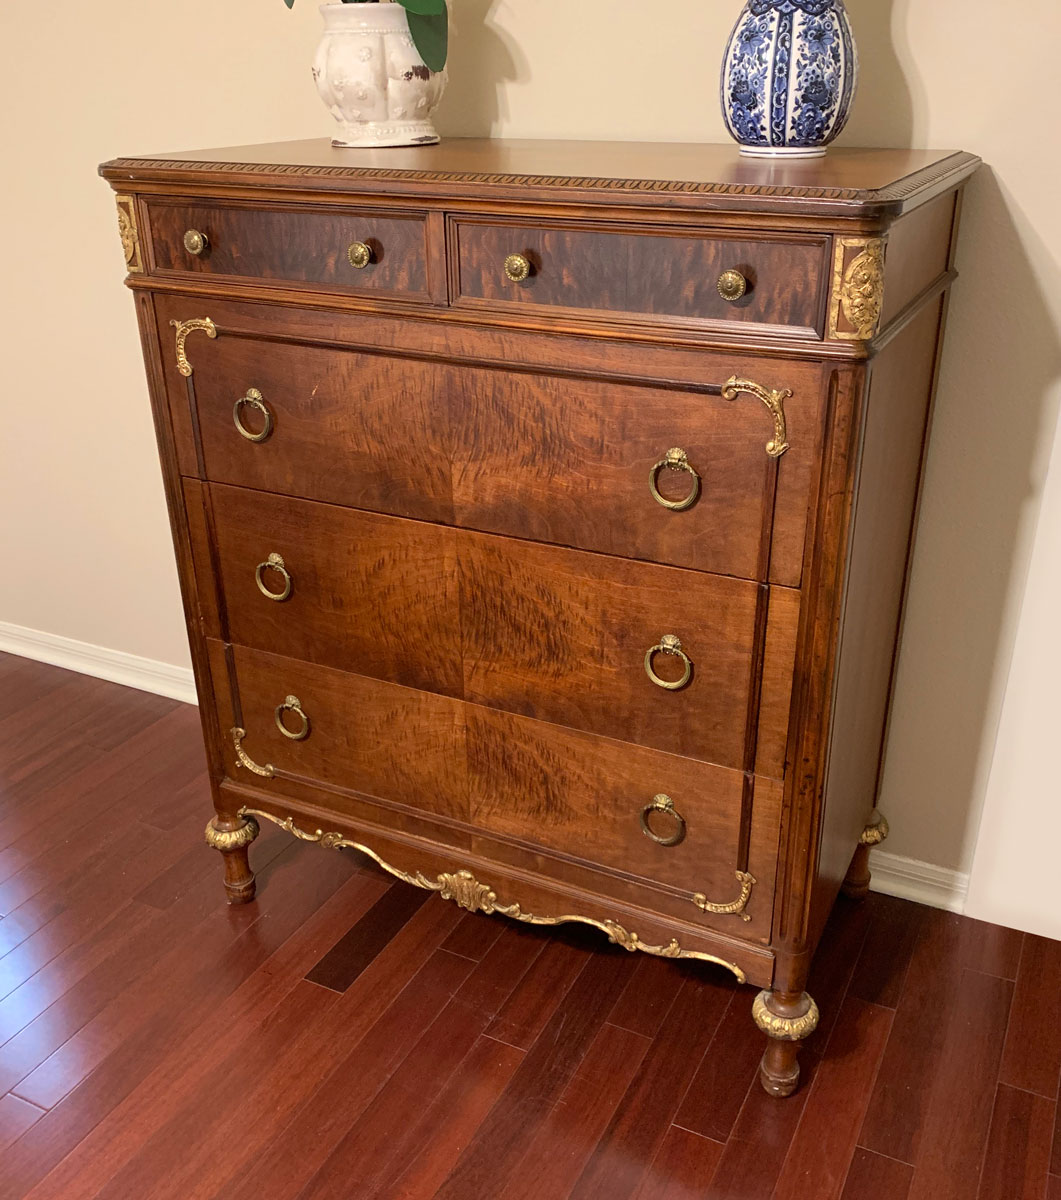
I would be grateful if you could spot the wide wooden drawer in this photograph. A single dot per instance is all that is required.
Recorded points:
(349, 250)
(658, 274)
(545, 457)
(559, 635)
(572, 806)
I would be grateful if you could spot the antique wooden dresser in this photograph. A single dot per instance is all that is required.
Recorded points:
(543, 513)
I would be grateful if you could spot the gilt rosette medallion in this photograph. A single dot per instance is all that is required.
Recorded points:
(789, 76)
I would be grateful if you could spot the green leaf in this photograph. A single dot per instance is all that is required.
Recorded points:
(425, 8)
(290, 3)
(431, 37)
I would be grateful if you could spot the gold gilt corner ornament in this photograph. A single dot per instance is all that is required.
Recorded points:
(245, 760)
(183, 328)
(129, 234)
(747, 882)
(463, 888)
(774, 401)
(876, 831)
(858, 289)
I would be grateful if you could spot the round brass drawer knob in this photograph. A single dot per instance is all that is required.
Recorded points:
(195, 242)
(360, 255)
(292, 705)
(732, 285)
(675, 460)
(253, 399)
(274, 563)
(517, 267)
(669, 644)
(665, 805)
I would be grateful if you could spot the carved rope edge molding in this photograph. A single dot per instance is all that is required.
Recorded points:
(463, 888)
(899, 190)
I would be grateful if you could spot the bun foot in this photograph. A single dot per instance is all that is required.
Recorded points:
(786, 1018)
(233, 837)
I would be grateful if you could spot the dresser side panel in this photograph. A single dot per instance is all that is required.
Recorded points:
(898, 401)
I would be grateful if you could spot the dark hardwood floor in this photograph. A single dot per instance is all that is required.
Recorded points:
(347, 1036)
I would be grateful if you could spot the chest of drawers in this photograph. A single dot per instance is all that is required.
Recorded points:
(543, 513)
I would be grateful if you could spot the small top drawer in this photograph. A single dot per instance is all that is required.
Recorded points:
(680, 274)
(349, 250)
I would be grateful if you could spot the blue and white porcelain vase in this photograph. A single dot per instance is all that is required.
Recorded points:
(789, 77)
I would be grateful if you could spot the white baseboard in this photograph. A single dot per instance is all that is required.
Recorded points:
(131, 670)
(909, 879)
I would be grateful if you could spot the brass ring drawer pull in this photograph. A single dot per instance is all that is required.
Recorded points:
(196, 243)
(663, 804)
(253, 399)
(675, 460)
(517, 267)
(273, 563)
(294, 705)
(669, 644)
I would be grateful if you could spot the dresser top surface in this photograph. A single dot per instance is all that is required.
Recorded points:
(871, 182)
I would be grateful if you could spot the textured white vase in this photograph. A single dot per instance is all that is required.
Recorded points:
(372, 78)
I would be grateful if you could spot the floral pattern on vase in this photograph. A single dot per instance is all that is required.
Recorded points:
(789, 76)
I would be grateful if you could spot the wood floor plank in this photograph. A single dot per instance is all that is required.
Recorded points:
(873, 1177)
(1053, 1188)
(376, 1024)
(16, 1116)
(487, 1165)
(755, 1153)
(569, 1133)
(647, 998)
(451, 1122)
(880, 972)
(1018, 1148)
(169, 1006)
(176, 1074)
(634, 1134)
(532, 1003)
(911, 1062)
(820, 1155)
(958, 1117)
(385, 1132)
(288, 1060)
(474, 935)
(682, 1169)
(1032, 1058)
(351, 955)
(730, 1067)
(73, 988)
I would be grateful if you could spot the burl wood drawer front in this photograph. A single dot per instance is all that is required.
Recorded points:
(532, 455)
(562, 636)
(365, 593)
(349, 250)
(587, 800)
(344, 731)
(572, 461)
(346, 428)
(671, 273)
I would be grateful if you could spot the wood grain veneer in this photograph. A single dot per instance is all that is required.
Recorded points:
(455, 469)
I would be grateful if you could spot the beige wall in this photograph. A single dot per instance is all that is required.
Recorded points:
(84, 541)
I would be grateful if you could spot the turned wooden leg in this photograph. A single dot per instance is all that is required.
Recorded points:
(786, 1018)
(856, 885)
(233, 836)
